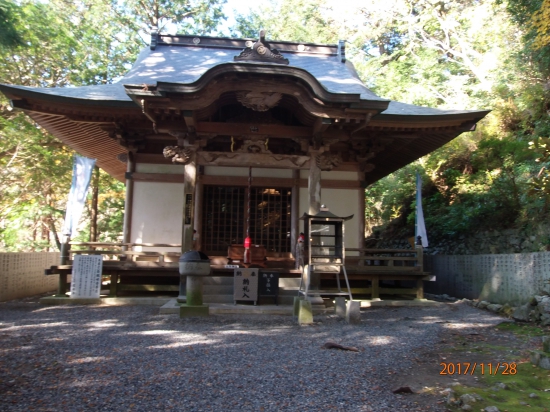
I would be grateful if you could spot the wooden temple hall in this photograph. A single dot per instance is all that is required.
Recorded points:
(224, 135)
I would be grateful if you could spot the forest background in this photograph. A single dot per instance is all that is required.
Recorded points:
(455, 54)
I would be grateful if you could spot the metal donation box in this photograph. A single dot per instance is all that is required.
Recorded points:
(324, 250)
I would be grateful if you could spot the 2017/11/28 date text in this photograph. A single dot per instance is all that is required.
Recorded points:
(465, 368)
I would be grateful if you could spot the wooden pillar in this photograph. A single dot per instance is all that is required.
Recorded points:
(188, 219)
(64, 260)
(314, 185)
(314, 195)
(197, 224)
(294, 210)
(375, 287)
(129, 200)
(361, 220)
(189, 184)
(93, 209)
(420, 289)
(114, 285)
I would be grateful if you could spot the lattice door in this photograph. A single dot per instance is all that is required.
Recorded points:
(224, 218)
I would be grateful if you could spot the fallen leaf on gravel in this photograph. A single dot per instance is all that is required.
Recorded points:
(403, 389)
(332, 345)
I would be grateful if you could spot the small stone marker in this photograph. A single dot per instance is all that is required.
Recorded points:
(340, 306)
(305, 313)
(353, 312)
(296, 305)
(86, 276)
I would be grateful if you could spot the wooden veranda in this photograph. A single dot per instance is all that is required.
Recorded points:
(135, 271)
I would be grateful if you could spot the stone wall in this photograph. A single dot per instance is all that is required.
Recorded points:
(524, 240)
(22, 274)
(510, 278)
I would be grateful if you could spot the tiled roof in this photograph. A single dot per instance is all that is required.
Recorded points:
(178, 63)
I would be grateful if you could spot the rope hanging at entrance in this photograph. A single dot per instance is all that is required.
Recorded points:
(247, 240)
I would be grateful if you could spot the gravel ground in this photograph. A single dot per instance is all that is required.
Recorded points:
(100, 358)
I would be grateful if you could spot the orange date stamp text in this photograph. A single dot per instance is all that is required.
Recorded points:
(469, 368)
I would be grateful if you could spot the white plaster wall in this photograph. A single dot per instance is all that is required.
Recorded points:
(157, 214)
(160, 168)
(243, 171)
(22, 274)
(341, 202)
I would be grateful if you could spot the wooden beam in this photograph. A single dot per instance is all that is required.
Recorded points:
(243, 160)
(158, 177)
(243, 181)
(250, 129)
(321, 124)
(189, 116)
(254, 160)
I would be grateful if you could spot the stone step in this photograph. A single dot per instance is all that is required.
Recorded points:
(263, 300)
(218, 289)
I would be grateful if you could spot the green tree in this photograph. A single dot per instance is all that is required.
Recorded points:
(300, 21)
(187, 16)
(67, 44)
(10, 37)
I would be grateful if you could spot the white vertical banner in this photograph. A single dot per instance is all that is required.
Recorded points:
(82, 173)
(420, 226)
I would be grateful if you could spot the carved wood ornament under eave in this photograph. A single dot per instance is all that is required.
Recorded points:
(178, 154)
(259, 101)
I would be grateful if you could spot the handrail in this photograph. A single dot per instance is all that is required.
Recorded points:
(372, 256)
(112, 244)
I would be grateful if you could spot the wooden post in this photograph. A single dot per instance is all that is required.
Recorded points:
(93, 214)
(314, 185)
(361, 220)
(189, 184)
(294, 210)
(114, 285)
(197, 210)
(64, 260)
(129, 200)
(420, 257)
(420, 263)
(314, 194)
(419, 289)
(375, 287)
(188, 218)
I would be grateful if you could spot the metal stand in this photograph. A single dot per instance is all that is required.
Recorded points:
(325, 253)
(304, 290)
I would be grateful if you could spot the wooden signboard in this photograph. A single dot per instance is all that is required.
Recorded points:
(245, 285)
(269, 284)
(86, 276)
